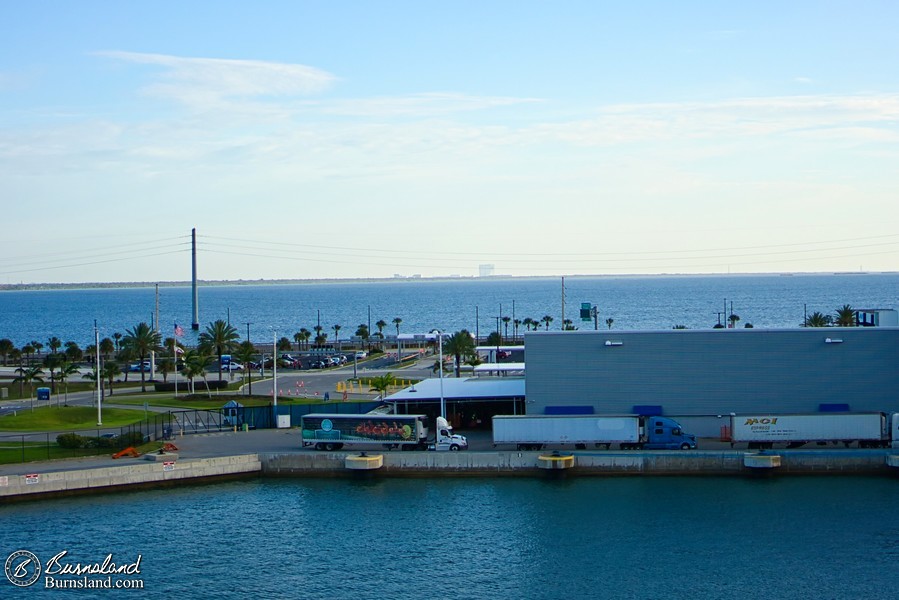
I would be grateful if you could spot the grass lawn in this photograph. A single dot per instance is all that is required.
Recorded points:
(203, 402)
(65, 418)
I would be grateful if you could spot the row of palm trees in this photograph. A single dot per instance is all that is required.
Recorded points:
(844, 316)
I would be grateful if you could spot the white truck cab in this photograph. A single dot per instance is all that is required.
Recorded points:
(446, 439)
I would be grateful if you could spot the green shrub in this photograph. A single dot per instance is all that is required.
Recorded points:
(71, 440)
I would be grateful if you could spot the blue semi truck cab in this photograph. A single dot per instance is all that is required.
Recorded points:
(662, 433)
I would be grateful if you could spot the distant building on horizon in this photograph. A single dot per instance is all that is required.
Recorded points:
(486, 270)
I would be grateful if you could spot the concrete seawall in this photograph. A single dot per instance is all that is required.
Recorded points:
(465, 464)
(130, 476)
(147, 474)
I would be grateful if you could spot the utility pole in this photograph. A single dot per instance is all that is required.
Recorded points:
(563, 302)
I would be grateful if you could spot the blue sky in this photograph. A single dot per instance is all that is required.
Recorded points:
(366, 139)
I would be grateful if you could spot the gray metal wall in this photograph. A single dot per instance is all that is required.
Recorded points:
(710, 372)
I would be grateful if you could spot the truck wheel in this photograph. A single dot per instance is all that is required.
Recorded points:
(329, 446)
(454, 447)
(685, 446)
(319, 446)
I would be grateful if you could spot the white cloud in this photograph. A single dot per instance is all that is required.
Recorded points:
(194, 79)
(418, 105)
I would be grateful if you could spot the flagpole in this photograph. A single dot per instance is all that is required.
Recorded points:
(175, 354)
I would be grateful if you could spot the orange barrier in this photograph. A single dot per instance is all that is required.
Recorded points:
(129, 451)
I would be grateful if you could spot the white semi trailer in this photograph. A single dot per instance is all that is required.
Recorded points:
(594, 431)
(867, 430)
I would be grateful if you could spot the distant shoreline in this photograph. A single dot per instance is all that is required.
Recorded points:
(239, 282)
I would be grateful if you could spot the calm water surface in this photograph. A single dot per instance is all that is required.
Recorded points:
(802, 537)
(632, 302)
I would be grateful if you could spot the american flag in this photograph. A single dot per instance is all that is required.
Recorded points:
(179, 331)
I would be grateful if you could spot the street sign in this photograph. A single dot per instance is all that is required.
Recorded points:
(586, 311)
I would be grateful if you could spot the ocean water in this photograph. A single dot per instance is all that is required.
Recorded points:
(423, 305)
(665, 537)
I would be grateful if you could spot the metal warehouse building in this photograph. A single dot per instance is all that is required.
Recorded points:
(700, 376)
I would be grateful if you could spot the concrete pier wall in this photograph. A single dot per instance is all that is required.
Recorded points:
(418, 464)
(429, 464)
(136, 474)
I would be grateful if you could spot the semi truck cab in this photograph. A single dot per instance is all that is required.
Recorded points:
(662, 433)
(446, 439)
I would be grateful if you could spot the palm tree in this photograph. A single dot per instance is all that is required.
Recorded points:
(362, 332)
(516, 323)
(54, 343)
(547, 319)
(218, 339)
(298, 338)
(397, 321)
(195, 364)
(165, 366)
(66, 370)
(73, 352)
(609, 322)
(28, 375)
(568, 325)
(141, 340)
(118, 339)
(52, 362)
(381, 325)
(506, 321)
(107, 347)
(336, 329)
(846, 316)
(527, 322)
(461, 346)
(307, 335)
(6, 346)
(36, 347)
(245, 354)
(109, 372)
(318, 334)
(733, 320)
(817, 319)
(381, 383)
(28, 350)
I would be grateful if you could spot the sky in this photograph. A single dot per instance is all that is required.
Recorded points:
(307, 140)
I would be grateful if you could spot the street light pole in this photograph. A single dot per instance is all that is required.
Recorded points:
(440, 353)
(275, 369)
(99, 377)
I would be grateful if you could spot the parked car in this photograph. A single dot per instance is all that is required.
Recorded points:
(361, 354)
(232, 366)
(138, 367)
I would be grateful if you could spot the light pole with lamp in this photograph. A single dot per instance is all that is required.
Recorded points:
(439, 335)
(99, 376)
(275, 371)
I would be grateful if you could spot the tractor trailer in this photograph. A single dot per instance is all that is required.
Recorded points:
(629, 432)
(409, 432)
(867, 430)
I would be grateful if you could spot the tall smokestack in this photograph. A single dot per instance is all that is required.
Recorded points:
(195, 325)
